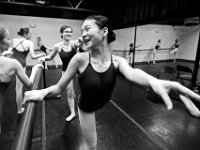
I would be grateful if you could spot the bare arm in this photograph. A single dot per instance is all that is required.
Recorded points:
(21, 74)
(135, 75)
(51, 55)
(31, 48)
(60, 86)
(8, 52)
(161, 87)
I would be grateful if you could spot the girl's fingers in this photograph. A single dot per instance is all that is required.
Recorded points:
(164, 95)
(190, 105)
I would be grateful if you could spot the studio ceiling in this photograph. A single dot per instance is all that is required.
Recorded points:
(122, 13)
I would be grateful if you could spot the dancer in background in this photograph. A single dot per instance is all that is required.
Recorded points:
(154, 52)
(21, 47)
(66, 49)
(10, 67)
(174, 50)
(40, 47)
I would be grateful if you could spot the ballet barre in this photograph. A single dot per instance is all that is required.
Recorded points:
(23, 138)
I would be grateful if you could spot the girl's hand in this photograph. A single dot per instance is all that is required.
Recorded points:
(42, 59)
(162, 88)
(34, 95)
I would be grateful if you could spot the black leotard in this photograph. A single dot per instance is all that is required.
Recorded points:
(176, 45)
(20, 56)
(96, 87)
(3, 93)
(66, 57)
(157, 46)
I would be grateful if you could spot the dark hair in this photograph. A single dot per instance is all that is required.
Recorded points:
(159, 40)
(24, 30)
(131, 44)
(3, 31)
(101, 22)
(38, 38)
(63, 28)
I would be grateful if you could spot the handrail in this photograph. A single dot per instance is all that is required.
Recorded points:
(23, 137)
(138, 50)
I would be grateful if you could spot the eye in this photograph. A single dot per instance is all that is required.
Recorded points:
(87, 29)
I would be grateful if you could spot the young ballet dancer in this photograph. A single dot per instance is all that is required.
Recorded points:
(97, 72)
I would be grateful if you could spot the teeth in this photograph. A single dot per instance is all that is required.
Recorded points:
(85, 40)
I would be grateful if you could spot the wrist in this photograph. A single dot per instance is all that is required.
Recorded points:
(44, 93)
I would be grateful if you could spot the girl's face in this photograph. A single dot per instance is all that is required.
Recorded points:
(29, 35)
(67, 34)
(5, 43)
(91, 34)
(38, 39)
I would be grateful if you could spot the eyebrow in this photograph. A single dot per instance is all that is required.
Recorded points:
(85, 27)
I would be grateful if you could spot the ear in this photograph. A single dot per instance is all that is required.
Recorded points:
(61, 35)
(105, 31)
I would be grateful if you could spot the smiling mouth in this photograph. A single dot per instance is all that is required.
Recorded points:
(86, 40)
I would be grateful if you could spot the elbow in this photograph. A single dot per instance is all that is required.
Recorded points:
(33, 57)
(59, 90)
(29, 85)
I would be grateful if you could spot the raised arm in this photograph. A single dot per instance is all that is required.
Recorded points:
(32, 52)
(51, 55)
(161, 87)
(28, 82)
(135, 75)
(72, 69)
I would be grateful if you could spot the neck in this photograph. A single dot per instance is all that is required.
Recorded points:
(66, 42)
(102, 52)
(23, 37)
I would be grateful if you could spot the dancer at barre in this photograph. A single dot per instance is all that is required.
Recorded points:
(174, 50)
(10, 67)
(21, 47)
(154, 52)
(131, 54)
(66, 49)
(97, 72)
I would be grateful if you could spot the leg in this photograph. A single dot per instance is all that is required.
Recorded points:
(174, 52)
(154, 56)
(54, 62)
(19, 95)
(176, 49)
(70, 100)
(1, 110)
(149, 58)
(88, 128)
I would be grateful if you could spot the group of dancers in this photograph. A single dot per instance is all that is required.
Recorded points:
(97, 70)
(173, 51)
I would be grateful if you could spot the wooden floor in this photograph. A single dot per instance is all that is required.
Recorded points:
(133, 120)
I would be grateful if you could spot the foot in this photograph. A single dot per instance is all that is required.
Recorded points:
(58, 96)
(21, 111)
(70, 117)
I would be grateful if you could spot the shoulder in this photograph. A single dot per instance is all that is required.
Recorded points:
(118, 60)
(58, 46)
(81, 57)
(29, 42)
(12, 63)
(80, 60)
